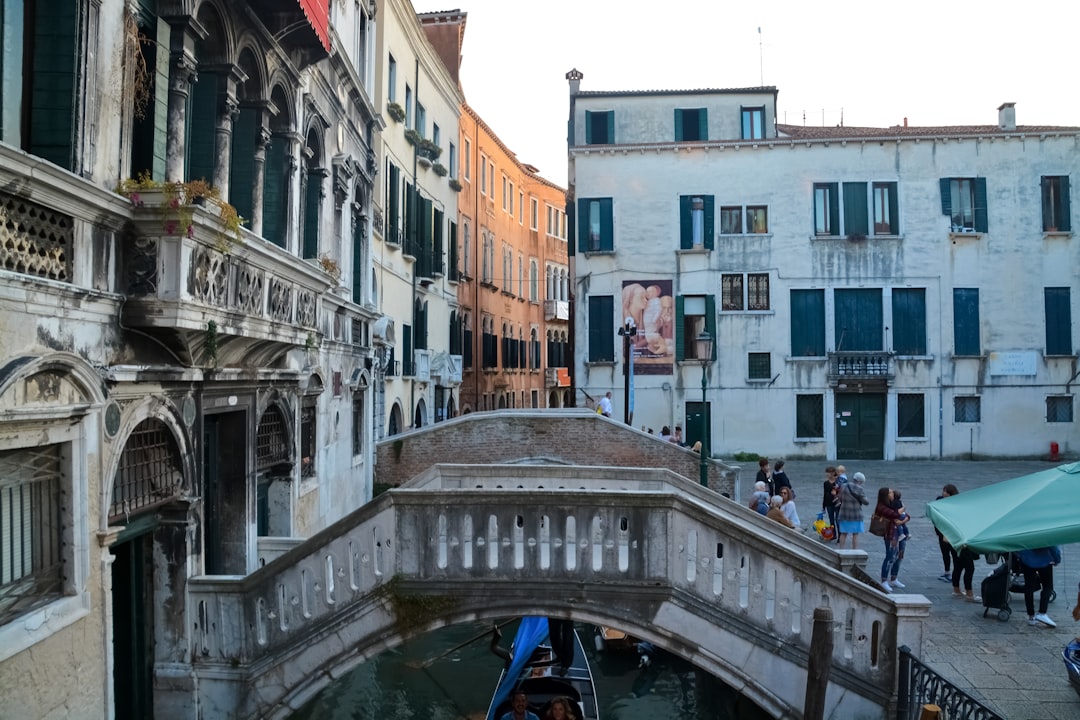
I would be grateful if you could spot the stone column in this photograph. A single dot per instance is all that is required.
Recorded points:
(228, 111)
(183, 74)
(293, 194)
(262, 140)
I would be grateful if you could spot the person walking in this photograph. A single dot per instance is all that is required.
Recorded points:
(605, 405)
(884, 509)
(1038, 566)
(780, 479)
(943, 545)
(852, 498)
(830, 499)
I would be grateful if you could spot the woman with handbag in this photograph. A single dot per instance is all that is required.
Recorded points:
(830, 500)
(886, 522)
(852, 498)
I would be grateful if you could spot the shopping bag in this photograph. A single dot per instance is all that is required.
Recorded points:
(823, 528)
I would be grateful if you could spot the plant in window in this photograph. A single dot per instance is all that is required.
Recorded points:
(455, 185)
(440, 169)
(330, 267)
(413, 137)
(176, 202)
(395, 111)
(430, 150)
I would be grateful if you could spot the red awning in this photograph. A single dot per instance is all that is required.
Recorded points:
(318, 14)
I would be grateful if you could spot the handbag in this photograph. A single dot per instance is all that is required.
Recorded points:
(878, 526)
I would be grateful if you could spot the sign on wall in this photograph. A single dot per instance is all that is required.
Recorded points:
(1017, 362)
(651, 305)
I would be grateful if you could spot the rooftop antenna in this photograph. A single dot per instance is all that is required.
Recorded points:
(761, 62)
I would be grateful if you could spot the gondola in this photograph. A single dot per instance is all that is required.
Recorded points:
(532, 666)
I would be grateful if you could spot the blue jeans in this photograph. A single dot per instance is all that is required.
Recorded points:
(891, 551)
(897, 561)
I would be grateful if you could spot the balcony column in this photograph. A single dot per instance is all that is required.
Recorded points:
(294, 194)
(183, 74)
(262, 141)
(228, 111)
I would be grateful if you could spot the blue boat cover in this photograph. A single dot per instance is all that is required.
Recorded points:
(531, 632)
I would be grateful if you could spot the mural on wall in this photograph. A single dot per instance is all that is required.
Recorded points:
(651, 305)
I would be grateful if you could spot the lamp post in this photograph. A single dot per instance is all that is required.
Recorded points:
(704, 346)
(627, 333)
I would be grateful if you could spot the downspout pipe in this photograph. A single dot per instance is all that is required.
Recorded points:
(412, 234)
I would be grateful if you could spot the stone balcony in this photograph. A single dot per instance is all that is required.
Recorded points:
(860, 366)
(556, 310)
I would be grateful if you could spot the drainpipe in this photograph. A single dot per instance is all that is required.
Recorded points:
(412, 229)
(478, 369)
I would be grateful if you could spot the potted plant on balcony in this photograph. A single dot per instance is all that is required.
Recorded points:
(455, 185)
(429, 150)
(395, 111)
(440, 169)
(413, 137)
(176, 202)
(330, 267)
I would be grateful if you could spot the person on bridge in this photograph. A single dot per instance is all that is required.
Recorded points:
(787, 495)
(605, 405)
(891, 537)
(776, 512)
(830, 498)
(852, 498)
(764, 474)
(520, 711)
(781, 480)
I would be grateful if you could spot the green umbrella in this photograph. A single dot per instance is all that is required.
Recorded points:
(1033, 511)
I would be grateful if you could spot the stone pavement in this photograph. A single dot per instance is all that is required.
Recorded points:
(1011, 667)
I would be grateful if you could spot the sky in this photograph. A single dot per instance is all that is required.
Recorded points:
(935, 62)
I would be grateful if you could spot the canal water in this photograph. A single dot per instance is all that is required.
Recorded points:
(444, 676)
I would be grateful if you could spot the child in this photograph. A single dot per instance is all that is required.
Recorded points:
(902, 530)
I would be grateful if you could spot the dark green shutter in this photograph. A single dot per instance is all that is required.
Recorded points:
(274, 186)
(946, 196)
(583, 225)
(894, 209)
(856, 219)
(455, 264)
(55, 66)
(242, 162)
(981, 222)
(607, 225)
(909, 321)
(11, 72)
(710, 222)
(358, 263)
(601, 328)
(680, 328)
(686, 222)
(610, 126)
(703, 124)
(678, 125)
(834, 208)
(408, 231)
(202, 128)
(1065, 222)
(966, 321)
(406, 351)
(312, 199)
(857, 320)
(394, 202)
(807, 323)
(710, 322)
(588, 127)
(1058, 321)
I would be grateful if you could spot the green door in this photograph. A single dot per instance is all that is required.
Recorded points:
(860, 426)
(692, 427)
(133, 636)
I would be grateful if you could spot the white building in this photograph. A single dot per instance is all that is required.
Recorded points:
(902, 292)
(415, 230)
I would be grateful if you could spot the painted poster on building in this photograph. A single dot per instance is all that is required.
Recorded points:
(650, 304)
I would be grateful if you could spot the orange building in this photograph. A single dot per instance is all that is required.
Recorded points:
(510, 263)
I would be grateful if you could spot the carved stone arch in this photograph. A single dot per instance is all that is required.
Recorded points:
(315, 142)
(251, 59)
(219, 45)
(49, 383)
(283, 119)
(149, 408)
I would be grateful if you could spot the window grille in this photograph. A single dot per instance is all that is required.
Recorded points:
(271, 440)
(149, 472)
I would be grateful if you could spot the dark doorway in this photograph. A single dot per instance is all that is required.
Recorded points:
(133, 622)
(860, 426)
(225, 472)
(692, 426)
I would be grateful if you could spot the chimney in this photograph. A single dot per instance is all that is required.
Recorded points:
(574, 76)
(1007, 116)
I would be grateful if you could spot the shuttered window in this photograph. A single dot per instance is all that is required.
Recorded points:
(1055, 204)
(602, 328)
(691, 125)
(964, 201)
(696, 221)
(1058, 321)
(856, 219)
(599, 127)
(910, 415)
(909, 321)
(857, 320)
(595, 225)
(966, 321)
(808, 323)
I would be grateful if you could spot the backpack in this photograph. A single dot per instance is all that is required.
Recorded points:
(763, 507)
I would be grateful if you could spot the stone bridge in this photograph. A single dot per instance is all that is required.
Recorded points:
(645, 550)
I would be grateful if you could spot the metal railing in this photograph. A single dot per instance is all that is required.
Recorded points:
(919, 685)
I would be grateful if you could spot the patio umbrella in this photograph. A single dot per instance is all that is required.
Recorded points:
(1032, 511)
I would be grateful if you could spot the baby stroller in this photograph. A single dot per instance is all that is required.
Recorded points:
(1005, 578)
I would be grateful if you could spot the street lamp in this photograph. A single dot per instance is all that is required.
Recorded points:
(703, 344)
(627, 333)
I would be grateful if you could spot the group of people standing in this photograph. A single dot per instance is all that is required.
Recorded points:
(774, 497)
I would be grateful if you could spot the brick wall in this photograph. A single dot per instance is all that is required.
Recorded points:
(575, 437)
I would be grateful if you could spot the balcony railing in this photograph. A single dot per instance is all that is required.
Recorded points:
(860, 365)
(556, 310)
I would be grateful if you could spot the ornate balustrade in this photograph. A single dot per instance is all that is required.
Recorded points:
(853, 365)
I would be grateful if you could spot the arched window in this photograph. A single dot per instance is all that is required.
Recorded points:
(313, 179)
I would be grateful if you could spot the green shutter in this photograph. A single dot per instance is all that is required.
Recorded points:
(834, 208)
(406, 350)
(894, 209)
(1058, 321)
(583, 225)
(856, 219)
(857, 322)
(607, 225)
(201, 127)
(678, 125)
(11, 71)
(394, 203)
(946, 196)
(242, 165)
(601, 328)
(710, 222)
(807, 323)
(703, 124)
(710, 322)
(680, 328)
(610, 126)
(455, 264)
(909, 321)
(686, 223)
(312, 199)
(966, 321)
(358, 263)
(274, 192)
(588, 127)
(55, 67)
(408, 222)
(1065, 222)
(981, 222)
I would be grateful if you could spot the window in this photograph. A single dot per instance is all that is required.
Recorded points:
(599, 127)
(1058, 321)
(744, 291)
(1055, 203)
(534, 281)
(510, 199)
(826, 209)
(487, 259)
(694, 314)
(521, 276)
(466, 248)
(909, 321)
(696, 221)
(753, 123)
(483, 175)
(453, 160)
(809, 416)
(857, 320)
(759, 366)
(1059, 408)
(521, 207)
(886, 209)
(468, 160)
(602, 328)
(910, 415)
(967, 409)
(436, 136)
(691, 125)
(505, 183)
(757, 219)
(308, 436)
(491, 177)
(964, 201)
(534, 214)
(358, 423)
(408, 106)
(731, 220)
(391, 81)
(808, 323)
(421, 120)
(595, 225)
(828, 219)
(966, 321)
